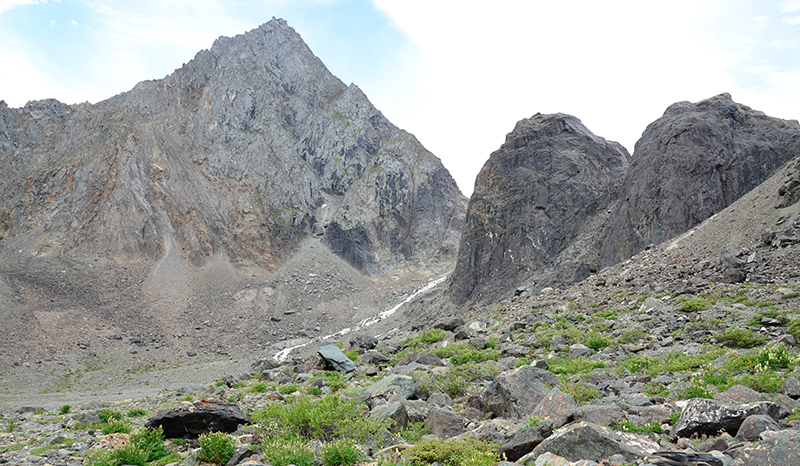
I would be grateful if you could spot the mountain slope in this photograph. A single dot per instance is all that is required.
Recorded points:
(152, 209)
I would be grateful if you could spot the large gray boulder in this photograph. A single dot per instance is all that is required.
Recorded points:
(691, 163)
(539, 207)
(710, 417)
(587, 441)
(515, 394)
(778, 449)
(336, 358)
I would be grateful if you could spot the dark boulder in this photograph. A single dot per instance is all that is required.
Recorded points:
(203, 417)
(710, 417)
(691, 163)
(587, 441)
(526, 440)
(444, 423)
(778, 449)
(539, 207)
(517, 393)
(753, 426)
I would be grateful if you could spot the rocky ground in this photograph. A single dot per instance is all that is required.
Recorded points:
(685, 354)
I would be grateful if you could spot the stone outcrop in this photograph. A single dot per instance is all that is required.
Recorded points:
(201, 418)
(539, 208)
(691, 163)
(243, 152)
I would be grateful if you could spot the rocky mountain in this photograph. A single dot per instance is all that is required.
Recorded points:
(691, 163)
(539, 209)
(555, 203)
(168, 199)
(244, 151)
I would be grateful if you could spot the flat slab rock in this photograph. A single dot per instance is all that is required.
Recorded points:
(201, 418)
(703, 416)
(587, 441)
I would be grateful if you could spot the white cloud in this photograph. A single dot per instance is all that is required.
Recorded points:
(9, 4)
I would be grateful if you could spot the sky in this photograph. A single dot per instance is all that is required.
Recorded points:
(458, 74)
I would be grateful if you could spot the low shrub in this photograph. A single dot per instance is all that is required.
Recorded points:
(288, 450)
(458, 452)
(340, 453)
(64, 409)
(137, 412)
(216, 447)
(693, 305)
(329, 418)
(737, 337)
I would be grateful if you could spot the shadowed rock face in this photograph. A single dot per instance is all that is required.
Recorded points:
(244, 151)
(539, 208)
(690, 164)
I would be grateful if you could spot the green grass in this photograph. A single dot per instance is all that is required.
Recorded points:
(737, 337)
(456, 452)
(566, 366)
(693, 305)
(456, 380)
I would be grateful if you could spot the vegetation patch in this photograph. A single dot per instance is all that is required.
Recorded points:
(458, 452)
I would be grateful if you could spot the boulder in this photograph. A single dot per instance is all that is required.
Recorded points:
(710, 417)
(556, 407)
(449, 323)
(373, 357)
(201, 418)
(264, 364)
(739, 394)
(777, 449)
(587, 441)
(515, 394)
(444, 423)
(752, 427)
(604, 415)
(679, 458)
(336, 358)
(791, 387)
(526, 440)
(395, 411)
(400, 387)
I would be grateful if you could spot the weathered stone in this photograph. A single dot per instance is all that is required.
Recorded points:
(587, 441)
(417, 410)
(526, 440)
(373, 357)
(678, 458)
(791, 387)
(778, 449)
(440, 399)
(264, 364)
(654, 305)
(450, 323)
(395, 411)
(710, 417)
(604, 415)
(202, 417)
(739, 394)
(365, 341)
(444, 423)
(394, 386)
(556, 407)
(516, 394)
(336, 358)
(427, 359)
(752, 427)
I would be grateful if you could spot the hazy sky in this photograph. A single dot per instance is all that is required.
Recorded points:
(457, 74)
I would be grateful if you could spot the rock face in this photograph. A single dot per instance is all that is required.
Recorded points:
(690, 164)
(539, 208)
(244, 151)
